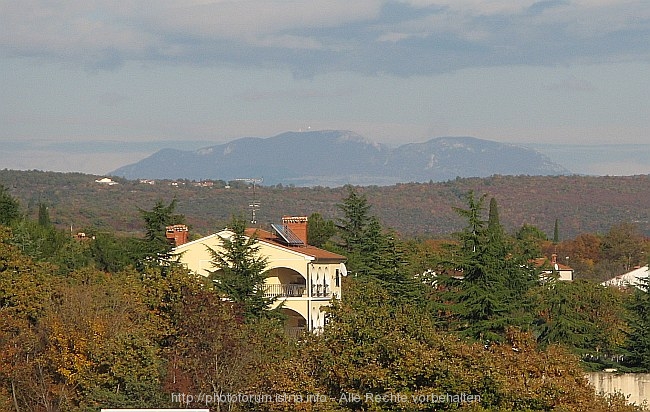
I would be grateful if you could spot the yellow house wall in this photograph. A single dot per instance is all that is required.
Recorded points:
(197, 258)
(317, 314)
(325, 273)
(565, 274)
(296, 304)
(282, 264)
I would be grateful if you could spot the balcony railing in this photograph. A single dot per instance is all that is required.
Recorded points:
(295, 331)
(296, 290)
(284, 290)
(320, 291)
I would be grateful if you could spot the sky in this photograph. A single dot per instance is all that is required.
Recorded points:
(92, 85)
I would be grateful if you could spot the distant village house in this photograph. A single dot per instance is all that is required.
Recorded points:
(553, 269)
(106, 181)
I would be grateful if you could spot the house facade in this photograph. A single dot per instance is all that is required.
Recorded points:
(554, 269)
(635, 278)
(302, 278)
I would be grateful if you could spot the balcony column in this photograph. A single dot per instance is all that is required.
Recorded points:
(309, 283)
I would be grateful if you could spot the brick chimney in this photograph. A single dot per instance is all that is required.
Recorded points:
(298, 225)
(177, 234)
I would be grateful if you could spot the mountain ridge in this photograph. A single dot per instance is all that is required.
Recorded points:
(336, 158)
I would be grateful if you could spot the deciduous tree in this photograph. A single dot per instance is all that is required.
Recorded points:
(368, 349)
(529, 241)
(623, 244)
(584, 316)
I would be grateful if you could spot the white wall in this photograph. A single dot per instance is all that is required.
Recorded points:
(635, 386)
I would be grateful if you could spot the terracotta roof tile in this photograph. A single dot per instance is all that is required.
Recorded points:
(270, 238)
(539, 262)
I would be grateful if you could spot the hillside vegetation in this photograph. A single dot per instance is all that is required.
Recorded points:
(581, 204)
(113, 321)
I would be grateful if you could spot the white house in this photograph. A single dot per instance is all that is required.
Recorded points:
(106, 181)
(629, 279)
(554, 269)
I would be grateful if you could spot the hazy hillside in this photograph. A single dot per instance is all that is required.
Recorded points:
(335, 158)
(582, 204)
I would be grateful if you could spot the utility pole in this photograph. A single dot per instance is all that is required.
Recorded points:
(254, 204)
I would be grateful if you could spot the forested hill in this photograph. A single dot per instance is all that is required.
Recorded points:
(582, 204)
(338, 157)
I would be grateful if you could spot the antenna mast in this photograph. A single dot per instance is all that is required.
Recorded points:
(254, 204)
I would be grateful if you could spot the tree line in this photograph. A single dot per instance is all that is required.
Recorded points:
(583, 204)
(111, 321)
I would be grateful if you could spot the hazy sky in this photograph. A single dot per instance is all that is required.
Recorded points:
(91, 85)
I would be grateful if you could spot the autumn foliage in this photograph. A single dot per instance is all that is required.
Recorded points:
(123, 329)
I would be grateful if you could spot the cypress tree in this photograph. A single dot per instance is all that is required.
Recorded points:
(494, 226)
(43, 215)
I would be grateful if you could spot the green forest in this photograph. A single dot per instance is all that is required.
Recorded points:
(459, 321)
(582, 204)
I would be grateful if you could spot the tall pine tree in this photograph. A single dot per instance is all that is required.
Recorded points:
(352, 226)
(156, 248)
(240, 271)
(492, 293)
(638, 344)
(372, 251)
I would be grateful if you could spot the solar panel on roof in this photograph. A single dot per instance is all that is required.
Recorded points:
(287, 235)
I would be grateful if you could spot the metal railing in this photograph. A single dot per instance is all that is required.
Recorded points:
(295, 331)
(285, 290)
(320, 291)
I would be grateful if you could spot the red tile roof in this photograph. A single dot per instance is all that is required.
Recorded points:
(546, 262)
(313, 251)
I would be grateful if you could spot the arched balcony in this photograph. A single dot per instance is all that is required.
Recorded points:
(295, 324)
(283, 282)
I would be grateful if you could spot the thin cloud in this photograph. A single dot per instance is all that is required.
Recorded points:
(366, 36)
(257, 95)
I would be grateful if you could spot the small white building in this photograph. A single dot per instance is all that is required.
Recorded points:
(106, 181)
(629, 279)
(554, 269)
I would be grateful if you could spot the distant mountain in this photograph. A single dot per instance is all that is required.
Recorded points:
(335, 158)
